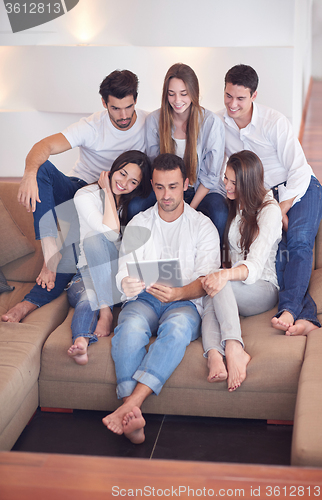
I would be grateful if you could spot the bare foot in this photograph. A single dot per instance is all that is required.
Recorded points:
(237, 360)
(78, 351)
(104, 323)
(18, 312)
(133, 426)
(301, 327)
(52, 257)
(216, 365)
(46, 278)
(284, 322)
(114, 421)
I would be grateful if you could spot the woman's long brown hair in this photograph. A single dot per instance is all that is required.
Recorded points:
(249, 200)
(167, 144)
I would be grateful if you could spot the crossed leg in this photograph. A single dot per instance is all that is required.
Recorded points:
(128, 419)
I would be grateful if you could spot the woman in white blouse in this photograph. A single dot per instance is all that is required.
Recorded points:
(102, 212)
(182, 127)
(248, 283)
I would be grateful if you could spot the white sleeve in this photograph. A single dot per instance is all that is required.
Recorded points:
(132, 247)
(152, 137)
(89, 207)
(81, 133)
(291, 155)
(207, 252)
(270, 231)
(212, 142)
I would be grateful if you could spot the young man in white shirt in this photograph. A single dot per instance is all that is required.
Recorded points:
(176, 231)
(269, 134)
(101, 138)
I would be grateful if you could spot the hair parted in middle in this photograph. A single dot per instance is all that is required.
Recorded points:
(167, 144)
(249, 199)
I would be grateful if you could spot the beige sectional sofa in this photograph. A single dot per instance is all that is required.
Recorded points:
(283, 382)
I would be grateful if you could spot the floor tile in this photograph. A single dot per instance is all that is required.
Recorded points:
(224, 440)
(82, 433)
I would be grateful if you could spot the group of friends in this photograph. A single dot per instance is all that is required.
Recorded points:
(230, 194)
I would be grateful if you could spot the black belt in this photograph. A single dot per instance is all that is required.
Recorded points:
(275, 190)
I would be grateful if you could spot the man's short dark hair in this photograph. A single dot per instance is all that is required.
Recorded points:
(244, 75)
(168, 161)
(119, 84)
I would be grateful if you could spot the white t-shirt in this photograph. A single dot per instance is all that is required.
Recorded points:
(100, 143)
(197, 244)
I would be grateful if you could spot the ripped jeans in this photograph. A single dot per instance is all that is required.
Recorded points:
(93, 286)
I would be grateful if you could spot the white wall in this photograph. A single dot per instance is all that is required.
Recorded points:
(317, 39)
(47, 79)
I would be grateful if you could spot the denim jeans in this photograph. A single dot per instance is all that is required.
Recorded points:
(55, 188)
(213, 206)
(102, 260)
(295, 255)
(82, 297)
(93, 286)
(175, 324)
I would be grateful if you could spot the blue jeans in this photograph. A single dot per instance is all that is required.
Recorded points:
(295, 255)
(82, 297)
(93, 286)
(55, 188)
(213, 206)
(175, 324)
(140, 204)
(102, 259)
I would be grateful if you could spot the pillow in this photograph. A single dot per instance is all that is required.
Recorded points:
(13, 243)
(4, 287)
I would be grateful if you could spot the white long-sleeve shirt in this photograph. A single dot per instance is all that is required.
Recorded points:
(90, 209)
(210, 149)
(261, 257)
(270, 135)
(196, 244)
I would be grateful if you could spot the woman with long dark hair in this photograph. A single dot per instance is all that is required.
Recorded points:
(182, 127)
(247, 284)
(102, 213)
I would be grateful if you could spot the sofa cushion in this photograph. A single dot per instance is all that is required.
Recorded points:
(13, 243)
(315, 288)
(269, 390)
(4, 287)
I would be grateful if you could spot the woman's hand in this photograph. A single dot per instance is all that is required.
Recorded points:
(214, 282)
(104, 181)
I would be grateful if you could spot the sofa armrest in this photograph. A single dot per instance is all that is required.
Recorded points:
(307, 432)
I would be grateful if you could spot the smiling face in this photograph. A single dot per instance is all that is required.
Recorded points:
(230, 183)
(121, 111)
(126, 179)
(178, 96)
(239, 103)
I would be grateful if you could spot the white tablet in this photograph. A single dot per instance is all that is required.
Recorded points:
(165, 272)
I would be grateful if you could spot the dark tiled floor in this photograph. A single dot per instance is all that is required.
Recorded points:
(167, 437)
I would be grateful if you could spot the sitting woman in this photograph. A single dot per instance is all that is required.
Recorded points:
(101, 213)
(184, 128)
(248, 283)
